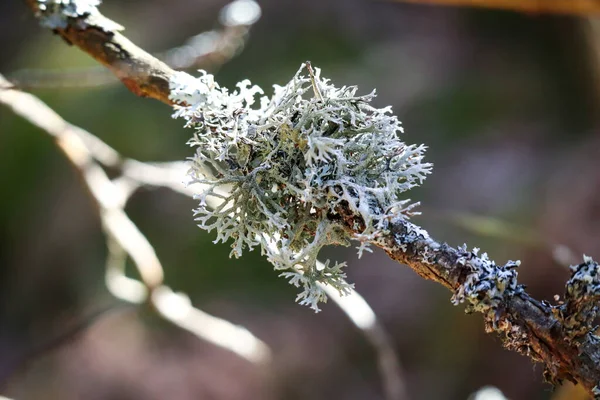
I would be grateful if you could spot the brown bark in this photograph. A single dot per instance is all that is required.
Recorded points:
(140, 72)
(524, 324)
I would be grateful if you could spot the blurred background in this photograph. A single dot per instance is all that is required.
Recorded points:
(507, 102)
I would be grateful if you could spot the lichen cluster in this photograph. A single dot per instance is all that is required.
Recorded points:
(580, 308)
(290, 172)
(487, 285)
(57, 13)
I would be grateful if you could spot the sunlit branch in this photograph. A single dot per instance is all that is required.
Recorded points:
(124, 236)
(207, 50)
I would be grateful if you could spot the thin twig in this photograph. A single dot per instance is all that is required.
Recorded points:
(177, 308)
(364, 318)
(125, 237)
(140, 72)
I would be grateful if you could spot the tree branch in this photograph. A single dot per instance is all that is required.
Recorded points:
(124, 238)
(140, 72)
(207, 50)
(533, 328)
(553, 335)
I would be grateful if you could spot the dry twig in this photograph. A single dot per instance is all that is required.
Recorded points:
(125, 239)
(207, 50)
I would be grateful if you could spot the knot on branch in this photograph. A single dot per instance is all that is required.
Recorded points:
(582, 294)
(486, 285)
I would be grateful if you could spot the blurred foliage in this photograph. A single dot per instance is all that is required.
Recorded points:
(529, 6)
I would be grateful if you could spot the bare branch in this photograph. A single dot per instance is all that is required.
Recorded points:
(207, 50)
(124, 236)
(177, 308)
(98, 36)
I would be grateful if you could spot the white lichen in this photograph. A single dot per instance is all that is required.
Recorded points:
(580, 310)
(585, 280)
(487, 285)
(312, 166)
(56, 14)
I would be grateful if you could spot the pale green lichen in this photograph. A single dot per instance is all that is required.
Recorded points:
(289, 172)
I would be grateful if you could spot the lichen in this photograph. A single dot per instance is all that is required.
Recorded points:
(56, 14)
(410, 234)
(293, 173)
(487, 285)
(582, 294)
